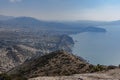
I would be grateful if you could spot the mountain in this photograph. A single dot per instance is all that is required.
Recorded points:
(15, 50)
(24, 21)
(60, 65)
(53, 64)
(93, 29)
(13, 55)
(117, 22)
(2, 17)
(86, 22)
(35, 24)
(94, 23)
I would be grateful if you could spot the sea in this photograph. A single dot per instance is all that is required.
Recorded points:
(98, 47)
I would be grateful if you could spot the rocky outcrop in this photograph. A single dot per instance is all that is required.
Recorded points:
(53, 64)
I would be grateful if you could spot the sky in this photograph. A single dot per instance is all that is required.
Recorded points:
(100, 10)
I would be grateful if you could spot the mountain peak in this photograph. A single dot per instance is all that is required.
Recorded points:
(53, 64)
(27, 19)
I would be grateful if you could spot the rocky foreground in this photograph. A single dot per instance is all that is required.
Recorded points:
(108, 75)
(57, 63)
(61, 65)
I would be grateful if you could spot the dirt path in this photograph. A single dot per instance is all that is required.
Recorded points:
(109, 75)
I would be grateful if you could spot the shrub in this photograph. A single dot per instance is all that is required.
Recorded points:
(12, 77)
(119, 65)
(111, 67)
(18, 77)
(5, 77)
(97, 68)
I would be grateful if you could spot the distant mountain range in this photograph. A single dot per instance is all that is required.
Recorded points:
(29, 22)
(2, 17)
(94, 23)
(34, 20)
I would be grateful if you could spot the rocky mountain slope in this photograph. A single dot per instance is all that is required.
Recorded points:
(53, 64)
(15, 47)
(61, 65)
(12, 56)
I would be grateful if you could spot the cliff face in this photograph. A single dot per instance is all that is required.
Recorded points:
(66, 43)
(53, 64)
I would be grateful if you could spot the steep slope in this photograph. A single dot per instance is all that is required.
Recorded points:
(53, 64)
(11, 56)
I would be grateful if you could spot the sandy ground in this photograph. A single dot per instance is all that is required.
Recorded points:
(109, 75)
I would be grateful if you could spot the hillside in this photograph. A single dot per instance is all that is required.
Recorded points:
(49, 26)
(15, 48)
(53, 64)
(61, 65)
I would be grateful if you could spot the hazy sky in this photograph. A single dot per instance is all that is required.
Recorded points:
(62, 9)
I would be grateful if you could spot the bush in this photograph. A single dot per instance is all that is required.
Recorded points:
(12, 77)
(5, 77)
(97, 68)
(18, 77)
(82, 65)
(119, 65)
(111, 67)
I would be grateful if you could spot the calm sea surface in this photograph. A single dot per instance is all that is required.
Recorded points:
(99, 48)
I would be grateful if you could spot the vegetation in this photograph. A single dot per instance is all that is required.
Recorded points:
(12, 77)
(97, 68)
(111, 67)
(57, 63)
(5, 77)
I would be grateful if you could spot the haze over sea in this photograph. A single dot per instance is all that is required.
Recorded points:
(99, 48)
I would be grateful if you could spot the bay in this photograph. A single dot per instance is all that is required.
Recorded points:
(99, 48)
